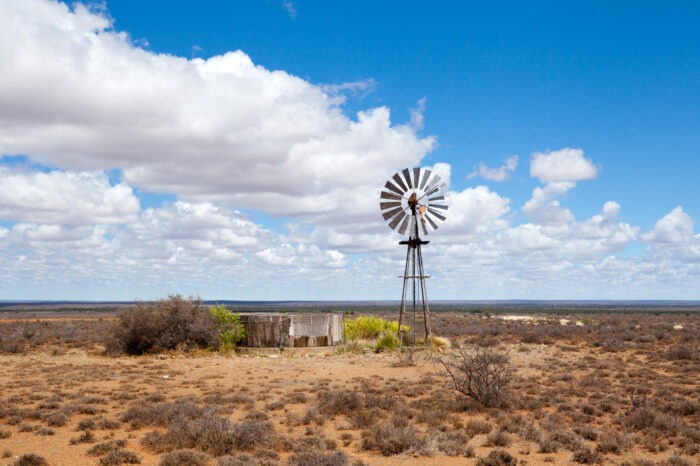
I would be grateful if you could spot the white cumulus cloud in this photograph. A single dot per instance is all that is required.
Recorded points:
(77, 95)
(562, 165)
(501, 173)
(64, 198)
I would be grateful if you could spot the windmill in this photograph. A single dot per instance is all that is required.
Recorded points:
(412, 201)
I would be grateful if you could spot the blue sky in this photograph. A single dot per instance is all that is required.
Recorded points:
(157, 147)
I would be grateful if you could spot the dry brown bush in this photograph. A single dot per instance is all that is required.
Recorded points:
(497, 458)
(183, 458)
(481, 374)
(168, 324)
(393, 437)
(319, 458)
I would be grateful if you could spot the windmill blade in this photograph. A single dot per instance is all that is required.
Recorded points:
(386, 195)
(426, 175)
(435, 213)
(438, 206)
(390, 213)
(389, 205)
(416, 177)
(422, 224)
(407, 175)
(404, 224)
(391, 187)
(400, 182)
(396, 220)
(430, 221)
(437, 198)
(436, 179)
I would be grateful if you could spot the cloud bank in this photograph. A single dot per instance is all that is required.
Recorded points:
(92, 124)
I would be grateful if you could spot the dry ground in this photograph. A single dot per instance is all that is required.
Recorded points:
(610, 390)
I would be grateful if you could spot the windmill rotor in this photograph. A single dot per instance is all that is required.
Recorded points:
(412, 198)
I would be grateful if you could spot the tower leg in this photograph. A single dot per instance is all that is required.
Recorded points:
(424, 296)
(403, 294)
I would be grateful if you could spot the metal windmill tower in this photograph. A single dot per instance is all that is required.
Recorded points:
(412, 201)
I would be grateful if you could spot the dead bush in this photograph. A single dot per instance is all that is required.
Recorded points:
(168, 324)
(482, 374)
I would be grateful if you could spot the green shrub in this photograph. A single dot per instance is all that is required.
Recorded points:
(368, 327)
(232, 330)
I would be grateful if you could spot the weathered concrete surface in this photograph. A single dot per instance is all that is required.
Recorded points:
(292, 330)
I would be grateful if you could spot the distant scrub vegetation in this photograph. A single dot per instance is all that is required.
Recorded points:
(175, 323)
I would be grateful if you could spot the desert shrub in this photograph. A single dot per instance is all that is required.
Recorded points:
(251, 433)
(497, 438)
(11, 347)
(85, 437)
(103, 448)
(4, 433)
(497, 458)
(108, 424)
(86, 424)
(119, 457)
(338, 402)
(393, 438)
(454, 444)
(680, 353)
(478, 426)
(566, 439)
(242, 459)
(206, 431)
(317, 458)
(439, 344)
(57, 419)
(645, 418)
(159, 414)
(386, 342)
(167, 324)
(231, 329)
(676, 460)
(183, 458)
(367, 327)
(587, 456)
(31, 459)
(482, 374)
(612, 442)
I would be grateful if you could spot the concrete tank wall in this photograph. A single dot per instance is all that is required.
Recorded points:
(292, 330)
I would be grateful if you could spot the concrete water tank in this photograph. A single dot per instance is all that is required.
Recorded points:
(292, 330)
